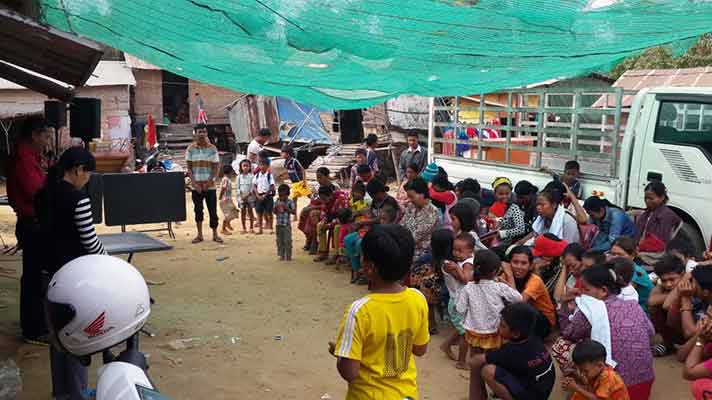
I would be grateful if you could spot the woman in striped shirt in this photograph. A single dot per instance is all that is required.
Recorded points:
(65, 210)
(66, 220)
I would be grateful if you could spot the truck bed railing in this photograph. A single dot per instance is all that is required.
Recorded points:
(529, 128)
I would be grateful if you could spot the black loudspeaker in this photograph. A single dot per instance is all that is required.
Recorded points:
(85, 118)
(55, 113)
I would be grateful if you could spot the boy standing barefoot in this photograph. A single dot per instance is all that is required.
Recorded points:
(380, 333)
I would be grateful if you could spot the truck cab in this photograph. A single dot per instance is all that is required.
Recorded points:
(621, 139)
(672, 141)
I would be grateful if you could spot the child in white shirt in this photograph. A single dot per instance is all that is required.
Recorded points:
(456, 275)
(245, 197)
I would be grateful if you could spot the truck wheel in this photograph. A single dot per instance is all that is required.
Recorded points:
(689, 233)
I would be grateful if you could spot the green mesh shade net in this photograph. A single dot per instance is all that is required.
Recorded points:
(354, 53)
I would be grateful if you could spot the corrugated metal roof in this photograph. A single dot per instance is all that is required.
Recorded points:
(249, 113)
(106, 73)
(28, 44)
(637, 79)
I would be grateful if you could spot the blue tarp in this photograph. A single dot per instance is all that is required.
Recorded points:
(302, 121)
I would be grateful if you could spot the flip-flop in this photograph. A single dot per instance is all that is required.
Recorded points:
(197, 240)
(218, 240)
(659, 350)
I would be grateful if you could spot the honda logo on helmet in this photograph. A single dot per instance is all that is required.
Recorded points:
(96, 328)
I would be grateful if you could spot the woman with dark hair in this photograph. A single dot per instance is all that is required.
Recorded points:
(443, 197)
(657, 225)
(468, 185)
(624, 247)
(309, 216)
(421, 216)
(612, 222)
(464, 220)
(65, 210)
(330, 202)
(65, 218)
(568, 284)
(621, 326)
(553, 218)
(520, 275)
(512, 225)
(526, 200)
(426, 274)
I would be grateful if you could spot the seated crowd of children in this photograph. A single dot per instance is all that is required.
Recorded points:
(528, 279)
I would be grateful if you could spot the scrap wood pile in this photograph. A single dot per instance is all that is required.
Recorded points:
(339, 160)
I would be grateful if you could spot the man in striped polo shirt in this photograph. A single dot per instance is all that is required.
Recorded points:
(203, 163)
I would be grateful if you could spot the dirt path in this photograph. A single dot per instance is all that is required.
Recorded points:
(259, 327)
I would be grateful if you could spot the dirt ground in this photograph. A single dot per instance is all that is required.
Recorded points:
(258, 328)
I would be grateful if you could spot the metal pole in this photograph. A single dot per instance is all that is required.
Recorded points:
(573, 147)
(615, 142)
(431, 135)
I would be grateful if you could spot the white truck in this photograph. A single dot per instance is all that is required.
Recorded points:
(622, 140)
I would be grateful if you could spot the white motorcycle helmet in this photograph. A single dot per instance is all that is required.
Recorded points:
(95, 302)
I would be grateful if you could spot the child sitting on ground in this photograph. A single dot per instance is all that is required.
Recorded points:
(245, 195)
(456, 275)
(359, 207)
(411, 172)
(226, 204)
(482, 300)
(522, 368)
(345, 219)
(602, 382)
(361, 159)
(664, 308)
(364, 174)
(380, 333)
(284, 208)
(352, 244)
(685, 252)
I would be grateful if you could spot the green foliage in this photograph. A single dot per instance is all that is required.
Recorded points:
(699, 55)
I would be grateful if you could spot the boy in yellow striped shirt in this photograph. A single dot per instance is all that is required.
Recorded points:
(380, 333)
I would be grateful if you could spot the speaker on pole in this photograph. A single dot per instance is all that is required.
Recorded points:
(55, 113)
(85, 118)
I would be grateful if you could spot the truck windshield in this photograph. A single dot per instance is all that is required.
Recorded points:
(685, 123)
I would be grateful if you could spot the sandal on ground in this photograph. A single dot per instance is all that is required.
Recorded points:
(218, 239)
(660, 350)
(37, 341)
(197, 240)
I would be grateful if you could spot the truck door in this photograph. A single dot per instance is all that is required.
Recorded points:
(677, 149)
